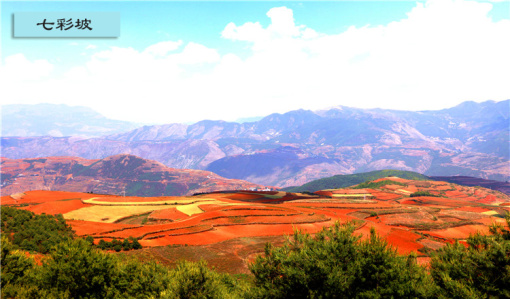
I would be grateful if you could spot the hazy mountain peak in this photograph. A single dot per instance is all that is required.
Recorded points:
(58, 120)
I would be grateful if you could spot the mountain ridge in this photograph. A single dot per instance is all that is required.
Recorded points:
(58, 121)
(469, 139)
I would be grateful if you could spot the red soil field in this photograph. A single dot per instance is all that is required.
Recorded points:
(472, 209)
(385, 195)
(381, 229)
(223, 233)
(432, 244)
(324, 193)
(404, 241)
(400, 219)
(56, 207)
(442, 187)
(488, 199)
(31, 197)
(243, 196)
(86, 228)
(211, 207)
(456, 194)
(461, 232)
(171, 214)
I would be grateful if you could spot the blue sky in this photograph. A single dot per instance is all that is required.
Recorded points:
(146, 23)
(186, 61)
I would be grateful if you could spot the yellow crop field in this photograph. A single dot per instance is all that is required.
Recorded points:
(110, 214)
(194, 208)
(189, 209)
(490, 213)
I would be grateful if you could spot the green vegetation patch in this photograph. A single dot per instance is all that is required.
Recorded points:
(128, 244)
(422, 193)
(342, 181)
(375, 185)
(32, 232)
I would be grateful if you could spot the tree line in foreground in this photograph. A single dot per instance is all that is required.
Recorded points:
(333, 263)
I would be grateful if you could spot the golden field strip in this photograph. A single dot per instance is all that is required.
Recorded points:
(110, 214)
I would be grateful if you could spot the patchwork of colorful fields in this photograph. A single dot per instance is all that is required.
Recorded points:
(449, 212)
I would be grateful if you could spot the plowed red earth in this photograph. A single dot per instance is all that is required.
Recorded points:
(405, 241)
(408, 224)
(31, 197)
(472, 209)
(57, 207)
(170, 214)
(85, 228)
(242, 196)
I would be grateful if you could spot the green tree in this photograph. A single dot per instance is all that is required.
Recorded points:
(336, 264)
(76, 270)
(102, 244)
(90, 240)
(135, 243)
(481, 270)
(139, 280)
(195, 280)
(14, 265)
(126, 245)
(34, 232)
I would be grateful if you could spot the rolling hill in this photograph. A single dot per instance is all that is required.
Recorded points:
(112, 175)
(342, 181)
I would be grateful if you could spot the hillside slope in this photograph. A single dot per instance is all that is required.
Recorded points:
(112, 175)
(342, 181)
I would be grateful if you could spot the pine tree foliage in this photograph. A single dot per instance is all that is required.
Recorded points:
(337, 264)
(480, 270)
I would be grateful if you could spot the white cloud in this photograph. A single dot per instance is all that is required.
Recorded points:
(162, 48)
(442, 53)
(282, 22)
(18, 68)
(195, 53)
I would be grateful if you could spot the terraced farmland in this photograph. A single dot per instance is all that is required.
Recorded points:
(419, 223)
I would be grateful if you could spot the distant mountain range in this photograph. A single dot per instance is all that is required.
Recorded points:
(58, 121)
(290, 149)
(112, 175)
